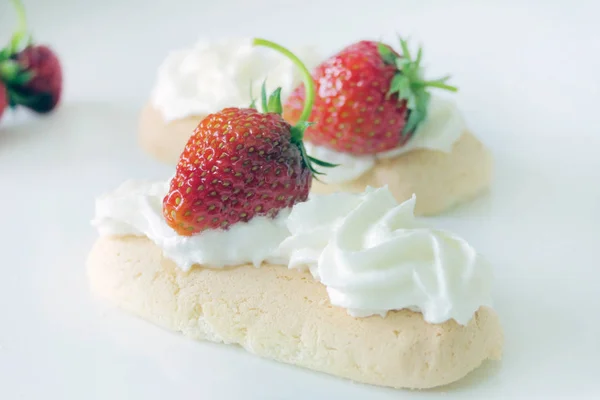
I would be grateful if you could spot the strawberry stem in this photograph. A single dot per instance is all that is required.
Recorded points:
(297, 131)
(309, 86)
(20, 9)
(22, 27)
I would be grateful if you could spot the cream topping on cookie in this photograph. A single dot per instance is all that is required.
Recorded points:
(373, 256)
(368, 250)
(135, 208)
(217, 74)
(443, 126)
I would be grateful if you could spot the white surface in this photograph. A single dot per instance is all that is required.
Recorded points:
(529, 87)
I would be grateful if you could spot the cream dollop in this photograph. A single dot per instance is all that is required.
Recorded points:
(443, 126)
(373, 256)
(135, 208)
(368, 250)
(217, 74)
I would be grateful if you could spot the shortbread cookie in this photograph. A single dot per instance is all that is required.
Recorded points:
(440, 180)
(285, 315)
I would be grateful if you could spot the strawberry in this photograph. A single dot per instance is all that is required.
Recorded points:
(32, 74)
(42, 89)
(369, 99)
(3, 99)
(241, 163)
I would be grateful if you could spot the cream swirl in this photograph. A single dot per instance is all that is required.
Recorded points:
(443, 126)
(368, 250)
(373, 257)
(217, 74)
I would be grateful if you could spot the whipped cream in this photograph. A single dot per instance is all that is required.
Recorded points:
(368, 250)
(217, 74)
(135, 208)
(373, 256)
(443, 126)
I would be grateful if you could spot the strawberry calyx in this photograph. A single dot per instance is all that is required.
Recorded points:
(272, 103)
(409, 84)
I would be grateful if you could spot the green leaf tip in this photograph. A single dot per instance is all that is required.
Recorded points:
(263, 97)
(270, 103)
(322, 163)
(274, 102)
(408, 83)
(386, 53)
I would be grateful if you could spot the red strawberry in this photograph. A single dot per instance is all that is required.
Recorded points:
(43, 89)
(33, 75)
(3, 99)
(369, 99)
(238, 164)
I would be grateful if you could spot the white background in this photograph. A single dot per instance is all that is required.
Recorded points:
(528, 73)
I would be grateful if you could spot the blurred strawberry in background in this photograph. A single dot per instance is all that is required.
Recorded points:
(3, 99)
(30, 74)
(42, 89)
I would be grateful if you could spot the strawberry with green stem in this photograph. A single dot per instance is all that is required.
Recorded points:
(369, 98)
(241, 163)
(32, 73)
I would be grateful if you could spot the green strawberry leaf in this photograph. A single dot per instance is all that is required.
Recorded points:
(386, 53)
(23, 78)
(263, 96)
(414, 117)
(405, 49)
(4, 54)
(409, 86)
(274, 103)
(9, 69)
(322, 163)
(439, 84)
(297, 135)
(399, 84)
(419, 56)
(17, 97)
(417, 114)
